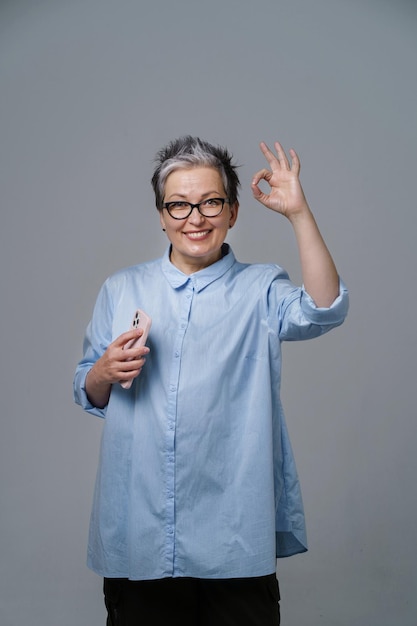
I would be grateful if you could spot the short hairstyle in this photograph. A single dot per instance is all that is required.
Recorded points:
(188, 152)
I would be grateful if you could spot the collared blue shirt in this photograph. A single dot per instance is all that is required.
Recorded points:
(196, 474)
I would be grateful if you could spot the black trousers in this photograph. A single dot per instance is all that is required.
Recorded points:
(193, 602)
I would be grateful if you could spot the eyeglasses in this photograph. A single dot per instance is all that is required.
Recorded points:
(179, 210)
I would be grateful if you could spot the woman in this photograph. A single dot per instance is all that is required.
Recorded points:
(197, 492)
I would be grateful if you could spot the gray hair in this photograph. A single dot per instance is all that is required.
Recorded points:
(187, 152)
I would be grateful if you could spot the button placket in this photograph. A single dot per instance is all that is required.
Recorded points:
(186, 302)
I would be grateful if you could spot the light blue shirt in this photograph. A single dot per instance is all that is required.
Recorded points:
(196, 474)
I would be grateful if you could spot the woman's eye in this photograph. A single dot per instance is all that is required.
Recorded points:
(177, 205)
(211, 202)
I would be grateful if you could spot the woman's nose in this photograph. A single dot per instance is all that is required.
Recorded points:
(195, 216)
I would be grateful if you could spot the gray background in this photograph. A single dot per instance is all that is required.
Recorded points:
(88, 92)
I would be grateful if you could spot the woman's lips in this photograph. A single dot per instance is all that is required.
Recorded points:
(195, 236)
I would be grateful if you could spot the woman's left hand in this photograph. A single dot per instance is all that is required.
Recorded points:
(286, 195)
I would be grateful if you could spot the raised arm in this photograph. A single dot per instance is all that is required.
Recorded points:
(286, 197)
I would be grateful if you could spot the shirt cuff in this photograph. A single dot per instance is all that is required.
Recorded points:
(81, 398)
(334, 314)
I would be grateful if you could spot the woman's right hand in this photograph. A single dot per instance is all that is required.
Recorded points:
(118, 364)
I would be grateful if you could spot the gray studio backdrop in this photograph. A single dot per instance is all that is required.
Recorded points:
(89, 90)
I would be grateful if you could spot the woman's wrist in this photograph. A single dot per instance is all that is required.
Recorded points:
(98, 392)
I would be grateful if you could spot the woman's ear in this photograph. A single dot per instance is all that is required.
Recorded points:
(162, 221)
(234, 209)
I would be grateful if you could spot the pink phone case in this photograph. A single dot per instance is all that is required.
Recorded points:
(140, 320)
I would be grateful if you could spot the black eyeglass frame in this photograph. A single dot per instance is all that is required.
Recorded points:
(167, 206)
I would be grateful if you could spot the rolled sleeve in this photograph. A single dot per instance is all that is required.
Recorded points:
(301, 318)
(97, 338)
(332, 315)
(80, 393)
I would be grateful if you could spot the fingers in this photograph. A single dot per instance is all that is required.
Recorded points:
(280, 160)
(258, 194)
(125, 356)
(125, 347)
(270, 156)
(131, 367)
(282, 157)
(129, 335)
(261, 175)
(295, 161)
(128, 378)
(134, 354)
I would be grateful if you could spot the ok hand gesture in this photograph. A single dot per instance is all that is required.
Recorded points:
(286, 195)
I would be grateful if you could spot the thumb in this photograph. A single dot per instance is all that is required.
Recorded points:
(257, 193)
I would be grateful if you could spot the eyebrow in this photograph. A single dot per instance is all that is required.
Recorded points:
(206, 194)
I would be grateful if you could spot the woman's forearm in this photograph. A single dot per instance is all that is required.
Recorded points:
(320, 277)
(98, 393)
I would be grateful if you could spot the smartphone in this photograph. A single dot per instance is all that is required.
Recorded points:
(140, 320)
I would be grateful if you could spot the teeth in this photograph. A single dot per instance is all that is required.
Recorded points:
(197, 235)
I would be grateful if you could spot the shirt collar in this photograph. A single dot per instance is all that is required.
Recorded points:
(202, 278)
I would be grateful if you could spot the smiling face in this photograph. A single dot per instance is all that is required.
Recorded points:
(197, 240)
